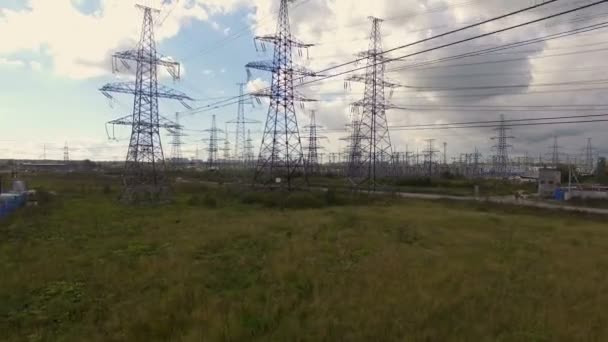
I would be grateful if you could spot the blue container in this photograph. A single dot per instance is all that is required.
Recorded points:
(559, 194)
(10, 203)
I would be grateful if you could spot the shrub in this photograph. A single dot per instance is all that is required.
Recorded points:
(194, 200)
(420, 181)
(209, 201)
(43, 196)
(331, 197)
(106, 189)
(303, 200)
(266, 199)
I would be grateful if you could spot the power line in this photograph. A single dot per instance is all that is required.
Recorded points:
(502, 121)
(241, 33)
(511, 45)
(220, 103)
(495, 123)
(384, 61)
(511, 125)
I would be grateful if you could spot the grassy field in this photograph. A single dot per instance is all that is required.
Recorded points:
(223, 265)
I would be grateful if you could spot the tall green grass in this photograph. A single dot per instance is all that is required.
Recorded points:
(327, 267)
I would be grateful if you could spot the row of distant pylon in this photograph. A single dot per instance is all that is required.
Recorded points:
(281, 158)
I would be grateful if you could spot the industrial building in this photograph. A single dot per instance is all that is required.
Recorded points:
(549, 180)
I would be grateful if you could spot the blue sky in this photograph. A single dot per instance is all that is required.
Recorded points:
(40, 106)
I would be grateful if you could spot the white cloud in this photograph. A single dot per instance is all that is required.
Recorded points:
(257, 84)
(340, 29)
(79, 45)
(207, 72)
(11, 62)
(36, 66)
(227, 31)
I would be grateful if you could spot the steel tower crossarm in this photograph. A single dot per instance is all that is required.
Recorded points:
(272, 67)
(379, 83)
(174, 68)
(130, 88)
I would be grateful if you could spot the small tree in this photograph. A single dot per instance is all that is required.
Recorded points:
(89, 165)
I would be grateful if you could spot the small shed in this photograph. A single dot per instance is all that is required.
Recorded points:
(549, 180)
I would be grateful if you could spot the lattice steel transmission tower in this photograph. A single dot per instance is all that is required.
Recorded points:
(213, 144)
(226, 149)
(241, 124)
(429, 155)
(249, 154)
(501, 158)
(589, 165)
(371, 152)
(197, 154)
(281, 155)
(312, 149)
(144, 173)
(476, 165)
(66, 153)
(176, 143)
(555, 153)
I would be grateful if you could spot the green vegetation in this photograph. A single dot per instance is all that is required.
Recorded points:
(225, 264)
(602, 171)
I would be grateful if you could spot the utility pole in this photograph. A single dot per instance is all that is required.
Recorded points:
(501, 158)
(370, 148)
(281, 157)
(144, 176)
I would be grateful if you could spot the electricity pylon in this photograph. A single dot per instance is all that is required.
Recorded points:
(144, 173)
(226, 149)
(213, 145)
(429, 156)
(555, 153)
(371, 151)
(66, 153)
(241, 122)
(589, 166)
(176, 143)
(281, 158)
(249, 154)
(312, 156)
(501, 158)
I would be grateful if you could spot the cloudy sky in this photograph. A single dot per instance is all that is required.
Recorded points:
(55, 55)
